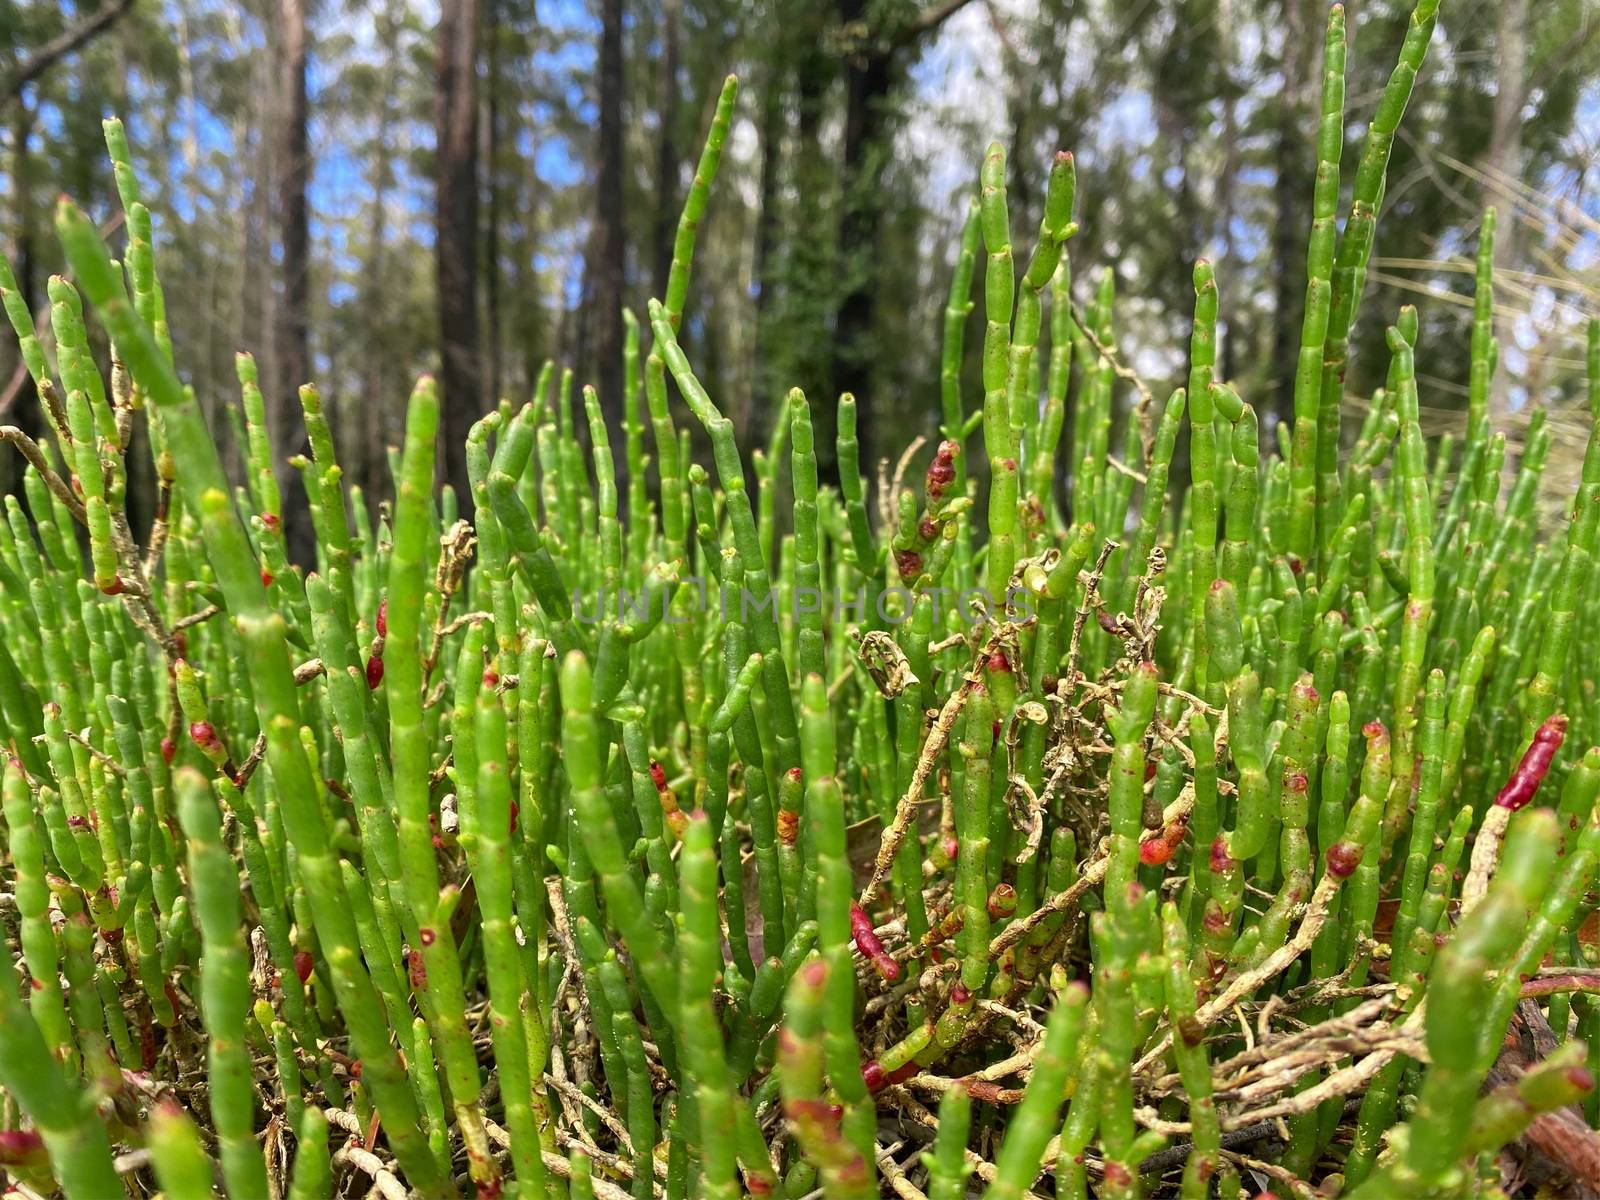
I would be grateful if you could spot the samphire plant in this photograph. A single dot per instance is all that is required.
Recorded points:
(1131, 844)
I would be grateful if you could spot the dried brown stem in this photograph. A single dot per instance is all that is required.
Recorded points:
(35, 455)
(933, 746)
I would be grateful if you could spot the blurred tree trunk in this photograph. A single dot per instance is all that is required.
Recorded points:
(1291, 196)
(608, 251)
(528, 328)
(667, 200)
(765, 381)
(261, 119)
(24, 411)
(862, 155)
(191, 117)
(456, 236)
(803, 276)
(1503, 164)
(1228, 353)
(872, 67)
(376, 401)
(491, 232)
(294, 342)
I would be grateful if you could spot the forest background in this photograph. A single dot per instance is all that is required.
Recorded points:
(359, 190)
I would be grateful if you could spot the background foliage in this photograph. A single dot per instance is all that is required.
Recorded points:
(545, 180)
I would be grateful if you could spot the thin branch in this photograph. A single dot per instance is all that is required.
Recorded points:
(928, 20)
(63, 44)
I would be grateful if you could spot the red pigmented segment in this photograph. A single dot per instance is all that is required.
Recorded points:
(1002, 901)
(1221, 860)
(676, 820)
(303, 964)
(1343, 858)
(19, 1145)
(1535, 764)
(374, 671)
(909, 563)
(871, 946)
(1157, 850)
(942, 471)
(946, 929)
(203, 734)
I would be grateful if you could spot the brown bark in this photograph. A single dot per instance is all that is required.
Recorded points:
(294, 341)
(607, 262)
(456, 237)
